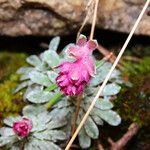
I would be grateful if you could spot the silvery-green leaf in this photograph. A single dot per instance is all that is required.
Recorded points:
(109, 116)
(30, 145)
(54, 43)
(24, 70)
(63, 103)
(43, 135)
(91, 128)
(84, 139)
(10, 120)
(97, 120)
(53, 124)
(14, 147)
(37, 97)
(39, 78)
(47, 145)
(33, 110)
(52, 76)
(89, 90)
(33, 60)
(57, 135)
(38, 126)
(24, 77)
(5, 132)
(42, 67)
(103, 104)
(7, 140)
(101, 73)
(43, 117)
(59, 113)
(52, 58)
(22, 85)
(115, 74)
(111, 89)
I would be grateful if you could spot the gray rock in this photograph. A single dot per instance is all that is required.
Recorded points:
(53, 17)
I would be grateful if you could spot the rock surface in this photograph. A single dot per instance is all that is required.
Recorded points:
(53, 17)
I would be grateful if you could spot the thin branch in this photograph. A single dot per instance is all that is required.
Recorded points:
(108, 75)
(132, 130)
(88, 14)
(94, 20)
(106, 52)
(99, 145)
(131, 58)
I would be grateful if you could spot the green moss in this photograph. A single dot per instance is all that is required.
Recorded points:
(10, 104)
(9, 63)
(133, 104)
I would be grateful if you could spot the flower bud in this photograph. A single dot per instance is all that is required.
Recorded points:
(23, 127)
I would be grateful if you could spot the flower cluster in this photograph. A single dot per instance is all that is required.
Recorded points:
(73, 76)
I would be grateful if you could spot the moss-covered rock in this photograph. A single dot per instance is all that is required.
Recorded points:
(133, 103)
(10, 104)
(9, 63)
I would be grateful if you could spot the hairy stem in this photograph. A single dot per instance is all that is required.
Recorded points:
(79, 99)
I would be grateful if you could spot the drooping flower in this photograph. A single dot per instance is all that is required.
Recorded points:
(73, 76)
(22, 128)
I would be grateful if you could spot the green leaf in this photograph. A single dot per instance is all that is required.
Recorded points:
(57, 135)
(97, 119)
(5, 131)
(7, 140)
(42, 67)
(103, 104)
(111, 89)
(33, 60)
(52, 58)
(52, 76)
(54, 43)
(24, 70)
(109, 116)
(47, 145)
(91, 128)
(22, 85)
(15, 147)
(38, 97)
(10, 120)
(84, 139)
(39, 78)
(53, 124)
(32, 144)
(31, 110)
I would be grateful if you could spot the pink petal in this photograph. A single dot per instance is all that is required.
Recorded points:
(92, 44)
(72, 50)
(82, 40)
(74, 75)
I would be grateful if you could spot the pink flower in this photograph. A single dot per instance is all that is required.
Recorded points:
(23, 127)
(73, 76)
